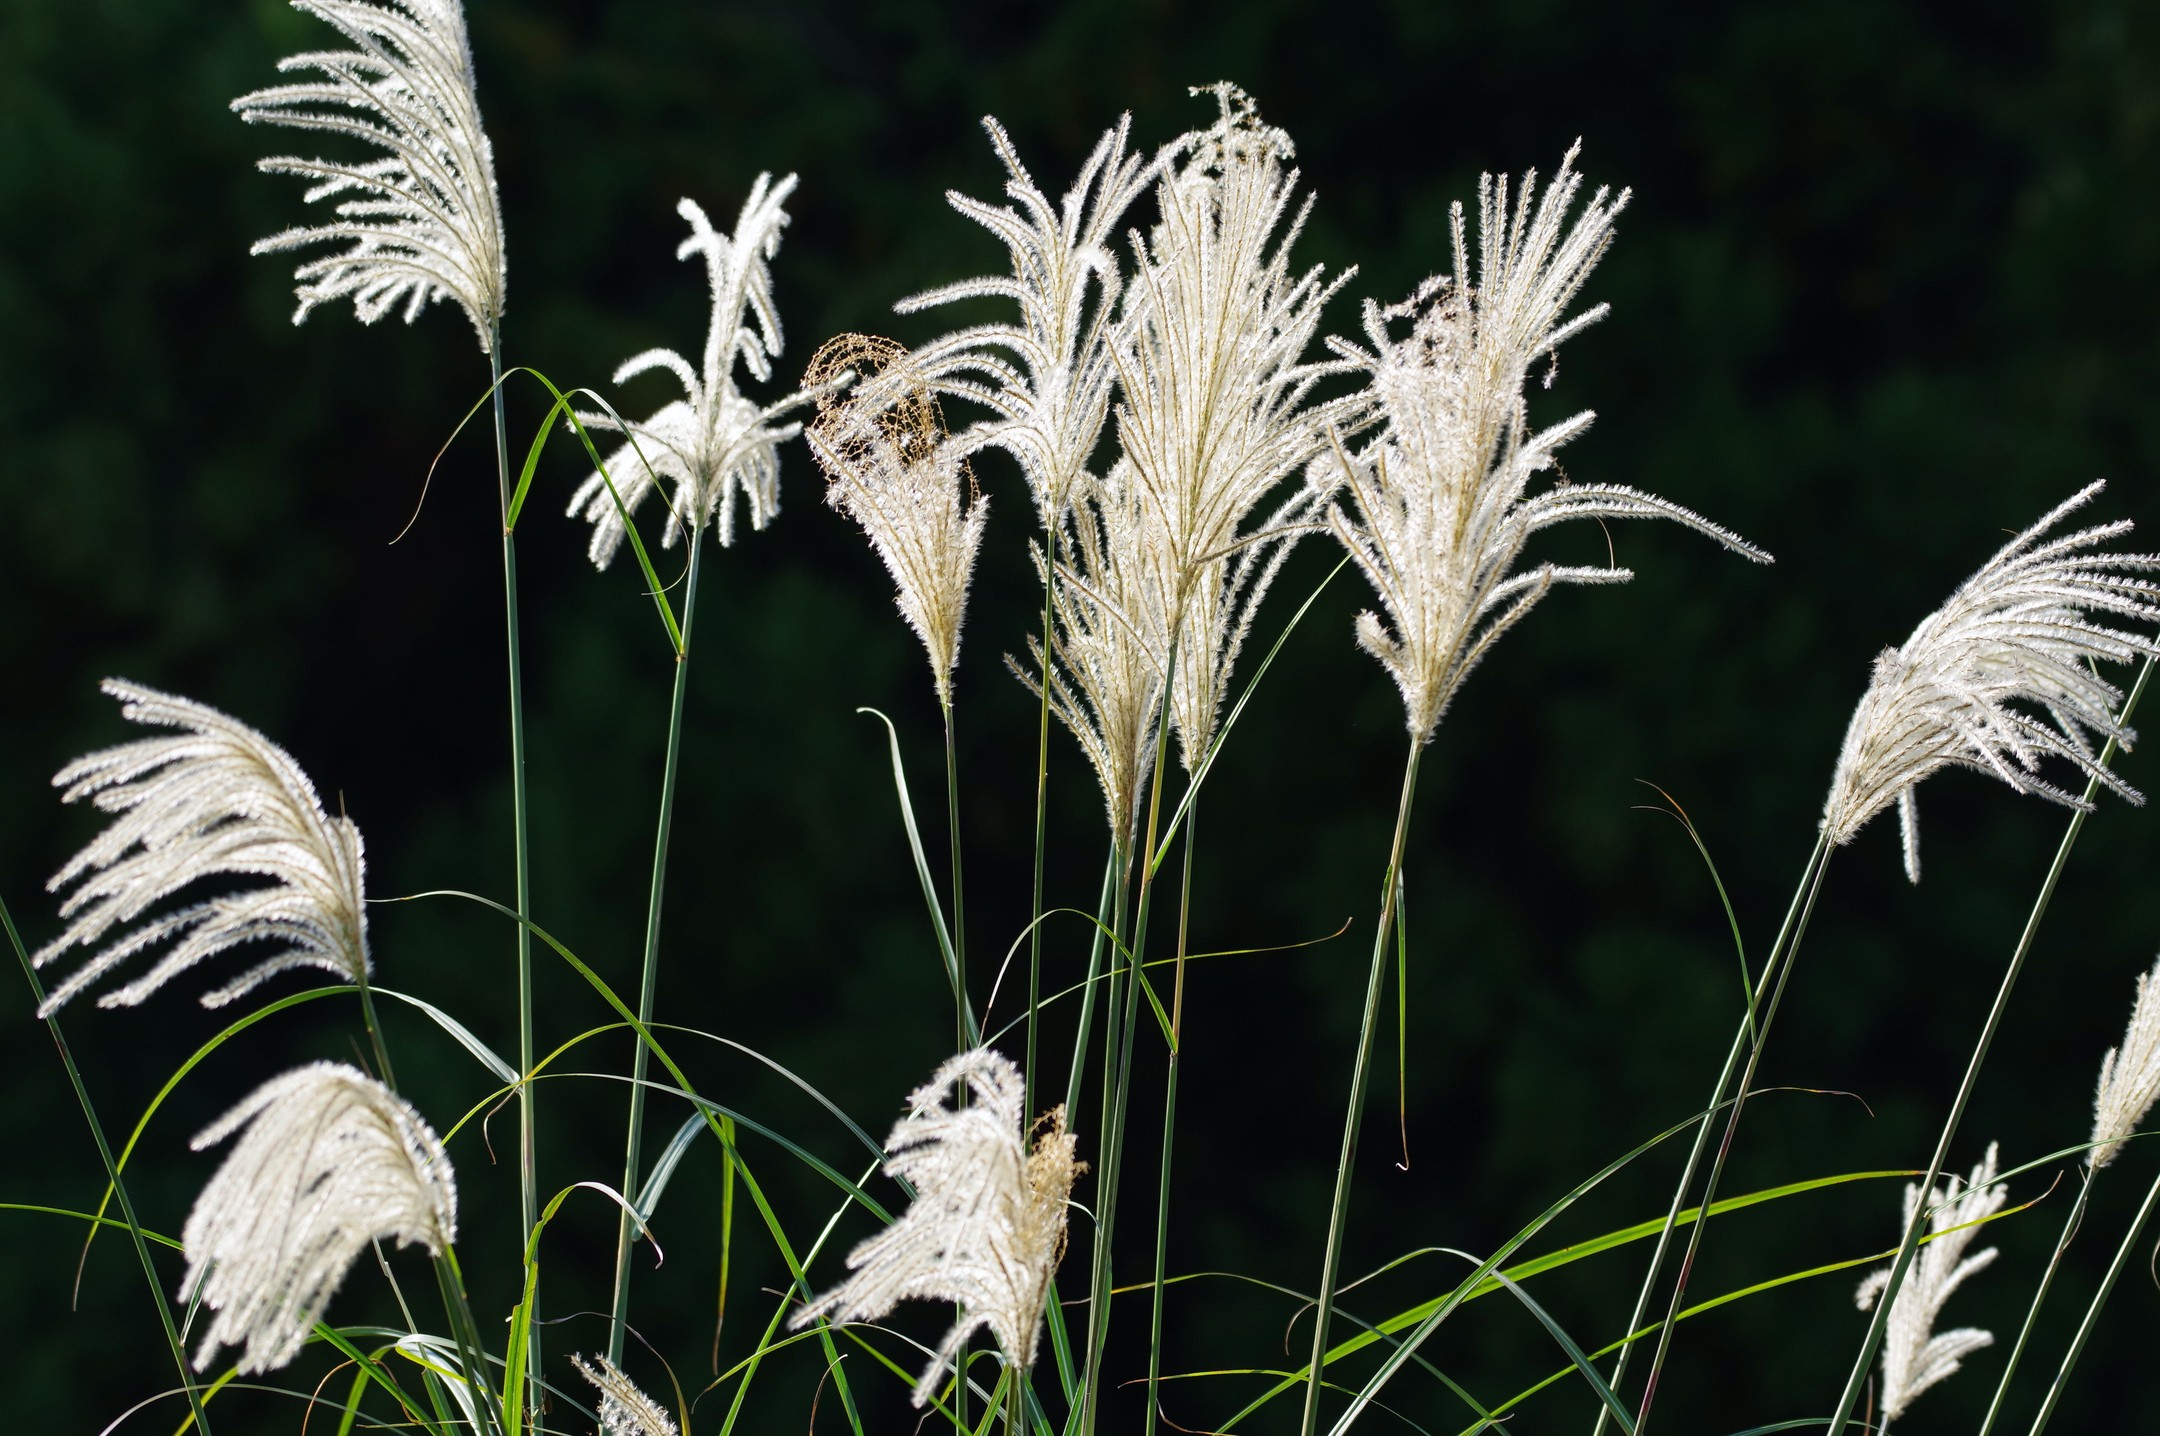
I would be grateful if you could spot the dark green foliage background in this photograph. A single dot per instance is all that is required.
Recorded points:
(1885, 292)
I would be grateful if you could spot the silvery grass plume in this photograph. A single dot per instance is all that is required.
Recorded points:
(987, 1226)
(1216, 406)
(624, 1410)
(330, 1161)
(1046, 376)
(424, 221)
(2016, 632)
(215, 799)
(1914, 1355)
(1438, 509)
(712, 441)
(1111, 637)
(899, 474)
(2129, 1075)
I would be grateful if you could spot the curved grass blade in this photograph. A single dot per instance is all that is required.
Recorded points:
(922, 871)
(459, 1033)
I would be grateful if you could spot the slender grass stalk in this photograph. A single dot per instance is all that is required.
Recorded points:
(1811, 885)
(1118, 1094)
(465, 1333)
(1741, 1038)
(1105, 917)
(1858, 1376)
(1339, 1208)
(1042, 810)
(1115, 982)
(963, 1024)
(112, 1175)
(528, 1164)
(649, 975)
(2092, 1312)
(2032, 1313)
(1169, 1122)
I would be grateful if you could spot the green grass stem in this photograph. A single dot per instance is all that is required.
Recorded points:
(2032, 1312)
(1857, 1378)
(1360, 1071)
(1169, 1126)
(2092, 1311)
(112, 1176)
(649, 973)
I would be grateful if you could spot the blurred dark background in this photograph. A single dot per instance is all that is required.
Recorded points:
(1886, 291)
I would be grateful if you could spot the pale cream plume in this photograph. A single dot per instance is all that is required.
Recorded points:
(2129, 1075)
(2016, 632)
(217, 799)
(987, 1226)
(421, 223)
(330, 1161)
(624, 1410)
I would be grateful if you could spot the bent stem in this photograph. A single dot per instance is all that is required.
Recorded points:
(649, 977)
(2032, 1313)
(112, 1175)
(2092, 1312)
(1338, 1212)
(1858, 1376)
(1733, 1056)
(1169, 1122)
(528, 1165)
(1811, 886)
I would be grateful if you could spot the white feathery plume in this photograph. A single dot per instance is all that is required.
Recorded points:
(899, 475)
(1437, 512)
(2018, 631)
(1216, 404)
(624, 1410)
(1045, 378)
(987, 1226)
(712, 441)
(217, 798)
(1914, 1355)
(424, 221)
(331, 1161)
(1111, 637)
(2129, 1075)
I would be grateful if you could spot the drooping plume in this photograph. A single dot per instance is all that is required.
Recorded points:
(1045, 378)
(624, 1410)
(2129, 1075)
(1914, 1355)
(330, 1161)
(1216, 407)
(421, 223)
(1438, 509)
(712, 442)
(2018, 632)
(987, 1226)
(217, 799)
(1111, 636)
(899, 474)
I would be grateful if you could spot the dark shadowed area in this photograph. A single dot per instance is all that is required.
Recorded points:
(1888, 288)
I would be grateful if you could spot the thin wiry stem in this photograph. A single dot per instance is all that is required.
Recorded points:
(1858, 1376)
(961, 1010)
(2047, 1280)
(649, 974)
(1741, 1036)
(1169, 1122)
(465, 1332)
(112, 1175)
(1818, 866)
(1118, 1097)
(1339, 1208)
(2092, 1312)
(528, 1118)
(1113, 892)
(1042, 810)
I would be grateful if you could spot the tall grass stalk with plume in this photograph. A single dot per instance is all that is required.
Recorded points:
(1160, 386)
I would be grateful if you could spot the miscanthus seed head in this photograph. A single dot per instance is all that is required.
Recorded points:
(624, 1410)
(1216, 406)
(2129, 1075)
(1914, 1355)
(903, 478)
(712, 442)
(422, 222)
(214, 799)
(987, 1226)
(1046, 375)
(1999, 678)
(1436, 508)
(329, 1161)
